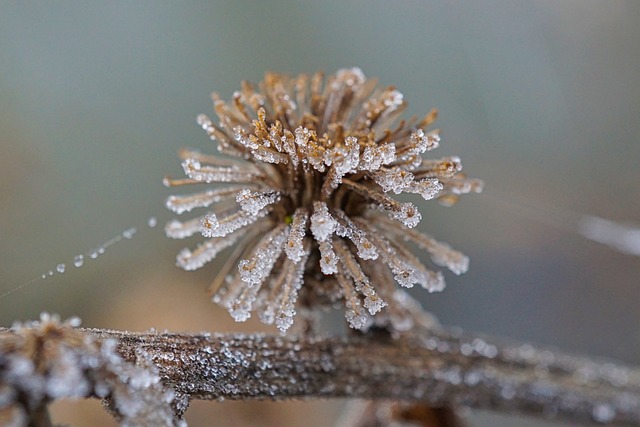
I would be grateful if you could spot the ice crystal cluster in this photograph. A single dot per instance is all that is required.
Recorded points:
(49, 360)
(310, 167)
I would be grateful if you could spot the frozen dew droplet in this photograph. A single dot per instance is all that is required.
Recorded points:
(128, 234)
(60, 268)
(603, 413)
(78, 260)
(152, 222)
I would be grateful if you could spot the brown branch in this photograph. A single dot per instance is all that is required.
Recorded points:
(444, 368)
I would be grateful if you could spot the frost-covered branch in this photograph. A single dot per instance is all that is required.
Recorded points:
(444, 368)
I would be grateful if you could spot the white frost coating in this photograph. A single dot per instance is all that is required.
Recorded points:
(375, 157)
(344, 158)
(408, 214)
(253, 202)
(205, 123)
(351, 76)
(396, 180)
(179, 230)
(432, 281)
(404, 274)
(354, 314)
(211, 226)
(287, 301)
(316, 157)
(240, 308)
(256, 269)
(421, 142)
(186, 203)
(328, 259)
(374, 304)
(366, 249)
(323, 224)
(443, 255)
(294, 247)
(205, 252)
(76, 365)
(288, 144)
(269, 156)
(303, 135)
(440, 253)
(241, 136)
(428, 188)
(194, 170)
(393, 100)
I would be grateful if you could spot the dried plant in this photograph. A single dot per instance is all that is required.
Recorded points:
(48, 360)
(312, 165)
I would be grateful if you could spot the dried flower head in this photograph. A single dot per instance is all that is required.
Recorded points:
(308, 201)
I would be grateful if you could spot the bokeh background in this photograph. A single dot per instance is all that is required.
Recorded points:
(541, 99)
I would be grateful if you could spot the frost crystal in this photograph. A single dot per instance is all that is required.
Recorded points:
(328, 259)
(253, 202)
(181, 204)
(422, 142)
(205, 252)
(307, 195)
(322, 223)
(253, 271)
(211, 226)
(396, 180)
(294, 248)
(407, 214)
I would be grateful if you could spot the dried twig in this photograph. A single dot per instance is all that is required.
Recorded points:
(444, 368)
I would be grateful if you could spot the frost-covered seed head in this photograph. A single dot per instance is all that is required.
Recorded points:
(306, 193)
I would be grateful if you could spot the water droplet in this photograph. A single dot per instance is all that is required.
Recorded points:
(603, 413)
(101, 250)
(127, 234)
(152, 222)
(50, 272)
(60, 268)
(93, 254)
(78, 260)
(44, 276)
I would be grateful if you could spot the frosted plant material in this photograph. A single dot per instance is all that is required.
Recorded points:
(310, 166)
(322, 223)
(294, 248)
(212, 227)
(328, 259)
(49, 360)
(254, 202)
(186, 203)
(253, 271)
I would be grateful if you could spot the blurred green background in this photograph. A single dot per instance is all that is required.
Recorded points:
(541, 99)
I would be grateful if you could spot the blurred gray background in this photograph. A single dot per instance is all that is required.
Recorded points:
(541, 99)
